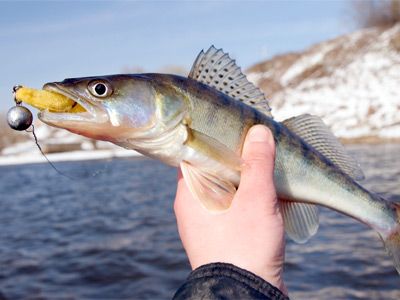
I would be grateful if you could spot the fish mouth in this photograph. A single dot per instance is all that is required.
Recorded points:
(83, 110)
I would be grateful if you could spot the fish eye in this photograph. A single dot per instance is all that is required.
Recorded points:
(100, 89)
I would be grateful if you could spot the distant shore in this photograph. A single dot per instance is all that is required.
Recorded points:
(37, 157)
(372, 140)
(31, 158)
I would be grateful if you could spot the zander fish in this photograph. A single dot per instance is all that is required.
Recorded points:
(199, 123)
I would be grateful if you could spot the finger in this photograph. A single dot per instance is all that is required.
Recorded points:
(258, 168)
(181, 191)
(179, 174)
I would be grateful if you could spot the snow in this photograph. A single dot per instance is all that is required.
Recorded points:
(26, 158)
(304, 63)
(28, 152)
(359, 93)
(19, 148)
(255, 77)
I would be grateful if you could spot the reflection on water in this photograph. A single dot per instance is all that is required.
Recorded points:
(114, 235)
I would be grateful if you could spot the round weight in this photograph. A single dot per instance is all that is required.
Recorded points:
(19, 118)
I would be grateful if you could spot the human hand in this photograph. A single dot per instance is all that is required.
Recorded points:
(250, 234)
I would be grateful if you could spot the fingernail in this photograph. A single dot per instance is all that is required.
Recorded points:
(259, 133)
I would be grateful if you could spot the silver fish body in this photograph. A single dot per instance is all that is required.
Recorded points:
(191, 124)
(301, 173)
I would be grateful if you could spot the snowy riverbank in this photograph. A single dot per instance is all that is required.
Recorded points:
(35, 157)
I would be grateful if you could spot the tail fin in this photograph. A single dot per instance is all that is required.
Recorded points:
(392, 240)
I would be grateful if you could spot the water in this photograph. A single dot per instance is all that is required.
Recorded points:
(113, 236)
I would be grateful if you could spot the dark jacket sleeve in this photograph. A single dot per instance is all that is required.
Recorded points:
(226, 281)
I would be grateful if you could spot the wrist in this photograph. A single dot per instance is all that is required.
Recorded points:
(270, 275)
(242, 275)
(278, 283)
(273, 278)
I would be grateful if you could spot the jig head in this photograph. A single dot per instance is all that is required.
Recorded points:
(19, 117)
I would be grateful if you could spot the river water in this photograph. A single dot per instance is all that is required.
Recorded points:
(111, 234)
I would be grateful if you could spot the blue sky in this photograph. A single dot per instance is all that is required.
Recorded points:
(42, 41)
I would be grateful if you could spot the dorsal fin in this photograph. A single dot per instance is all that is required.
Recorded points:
(215, 68)
(315, 133)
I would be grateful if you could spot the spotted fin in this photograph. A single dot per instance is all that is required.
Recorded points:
(315, 133)
(213, 192)
(215, 68)
(301, 220)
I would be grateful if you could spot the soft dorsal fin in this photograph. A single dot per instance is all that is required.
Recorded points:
(215, 68)
(315, 133)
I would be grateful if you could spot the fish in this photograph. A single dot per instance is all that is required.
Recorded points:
(199, 123)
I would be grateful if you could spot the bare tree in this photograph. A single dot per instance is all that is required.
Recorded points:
(381, 13)
(172, 69)
(132, 70)
(169, 69)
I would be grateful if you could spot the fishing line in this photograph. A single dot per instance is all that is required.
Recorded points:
(20, 118)
(94, 174)
(44, 155)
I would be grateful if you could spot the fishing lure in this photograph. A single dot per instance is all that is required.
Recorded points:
(19, 117)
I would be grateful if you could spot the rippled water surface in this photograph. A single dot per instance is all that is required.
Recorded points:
(113, 236)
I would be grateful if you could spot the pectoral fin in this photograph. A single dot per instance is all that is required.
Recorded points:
(214, 149)
(300, 219)
(214, 193)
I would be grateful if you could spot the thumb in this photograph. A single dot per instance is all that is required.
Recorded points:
(257, 177)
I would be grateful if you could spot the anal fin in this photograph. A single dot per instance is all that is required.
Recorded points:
(300, 219)
(213, 192)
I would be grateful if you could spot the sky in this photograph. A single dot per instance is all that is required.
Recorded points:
(43, 41)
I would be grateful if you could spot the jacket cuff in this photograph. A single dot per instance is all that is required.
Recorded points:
(226, 281)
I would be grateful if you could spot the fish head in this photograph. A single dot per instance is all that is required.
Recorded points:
(113, 108)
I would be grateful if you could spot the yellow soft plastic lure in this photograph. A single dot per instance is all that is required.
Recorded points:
(46, 100)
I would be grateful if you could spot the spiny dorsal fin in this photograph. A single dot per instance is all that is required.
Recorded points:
(301, 220)
(215, 68)
(315, 133)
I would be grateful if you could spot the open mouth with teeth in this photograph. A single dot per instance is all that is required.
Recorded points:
(57, 105)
